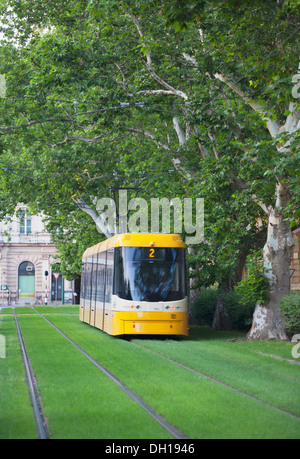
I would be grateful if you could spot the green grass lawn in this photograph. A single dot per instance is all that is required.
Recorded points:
(238, 363)
(80, 402)
(16, 415)
(200, 408)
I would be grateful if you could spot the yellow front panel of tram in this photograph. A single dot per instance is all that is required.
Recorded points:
(152, 323)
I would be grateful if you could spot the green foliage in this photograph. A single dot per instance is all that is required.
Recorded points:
(255, 287)
(240, 314)
(71, 243)
(203, 308)
(86, 112)
(290, 309)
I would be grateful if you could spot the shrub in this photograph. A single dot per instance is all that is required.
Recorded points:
(290, 309)
(240, 314)
(203, 309)
(255, 287)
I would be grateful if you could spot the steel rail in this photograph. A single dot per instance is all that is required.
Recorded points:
(31, 382)
(176, 433)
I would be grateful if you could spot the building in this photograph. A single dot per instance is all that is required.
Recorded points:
(26, 256)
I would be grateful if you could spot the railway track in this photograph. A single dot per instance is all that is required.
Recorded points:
(172, 430)
(202, 375)
(32, 386)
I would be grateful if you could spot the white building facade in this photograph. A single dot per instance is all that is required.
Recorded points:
(26, 257)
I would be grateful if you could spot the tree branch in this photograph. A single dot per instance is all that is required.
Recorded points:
(292, 122)
(261, 204)
(149, 65)
(179, 132)
(98, 219)
(33, 123)
(153, 92)
(78, 139)
(273, 126)
(150, 136)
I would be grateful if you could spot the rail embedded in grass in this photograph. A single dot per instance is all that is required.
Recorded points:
(199, 407)
(238, 365)
(79, 400)
(16, 414)
(217, 381)
(37, 409)
(166, 425)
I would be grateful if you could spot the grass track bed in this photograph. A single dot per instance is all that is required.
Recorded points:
(16, 415)
(198, 407)
(78, 400)
(239, 365)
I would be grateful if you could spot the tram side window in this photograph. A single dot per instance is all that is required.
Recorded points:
(83, 283)
(94, 279)
(101, 276)
(88, 290)
(109, 275)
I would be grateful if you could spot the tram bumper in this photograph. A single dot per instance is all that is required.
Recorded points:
(149, 323)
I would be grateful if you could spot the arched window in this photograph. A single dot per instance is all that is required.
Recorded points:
(26, 280)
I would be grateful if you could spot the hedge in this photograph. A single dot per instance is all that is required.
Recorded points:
(290, 309)
(204, 306)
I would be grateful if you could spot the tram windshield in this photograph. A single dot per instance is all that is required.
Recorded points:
(150, 274)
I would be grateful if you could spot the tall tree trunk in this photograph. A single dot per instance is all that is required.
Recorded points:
(267, 321)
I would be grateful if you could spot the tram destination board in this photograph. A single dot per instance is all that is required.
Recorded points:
(151, 253)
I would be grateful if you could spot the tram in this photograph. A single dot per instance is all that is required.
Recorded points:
(135, 284)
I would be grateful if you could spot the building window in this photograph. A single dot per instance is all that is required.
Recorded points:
(25, 223)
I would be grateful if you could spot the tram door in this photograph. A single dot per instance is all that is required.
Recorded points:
(56, 287)
(107, 316)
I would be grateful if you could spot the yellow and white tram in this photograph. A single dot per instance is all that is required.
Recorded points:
(136, 284)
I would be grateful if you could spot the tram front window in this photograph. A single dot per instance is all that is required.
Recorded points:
(150, 274)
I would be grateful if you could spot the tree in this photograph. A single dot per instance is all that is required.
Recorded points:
(255, 58)
(101, 94)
